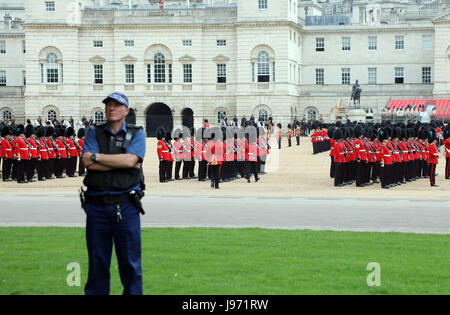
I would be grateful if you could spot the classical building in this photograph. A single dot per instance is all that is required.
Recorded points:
(183, 61)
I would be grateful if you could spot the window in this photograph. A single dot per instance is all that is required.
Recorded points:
(399, 42)
(160, 68)
(221, 42)
(129, 74)
(2, 47)
(170, 72)
(263, 67)
(187, 42)
(42, 72)
(263, 115)
(6, 114)
(51, 115)
(52, 68)
(2, 78)
(345, 75)
(98, 117)
(372, 76)
(50, 6)
(220, 116)
(312, 114)
(222, 73)
(345, 43)
(98, 74)
(372, 43)
(320, 44)
(149, 73)
(24, 47)
(98, 43)
(319, 76)
(273, 71)
(187, 73)
(427, 42)
(129, 43)
(253, 72)
(426, 75)
(24, 77)
(262, 4)
(399, 75)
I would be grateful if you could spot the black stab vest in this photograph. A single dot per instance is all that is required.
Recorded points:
(118, 179)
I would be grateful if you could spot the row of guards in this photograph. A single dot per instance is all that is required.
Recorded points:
(222, 154)
(293, 129)
(389, 154)
(44, 151)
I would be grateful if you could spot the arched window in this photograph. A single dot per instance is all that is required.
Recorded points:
(52, 68)
(263, 67)
(6, 114)
(159, 68)
(98, 117)
(220, 115)
(51, 115)
(263, 115)
(312, 115)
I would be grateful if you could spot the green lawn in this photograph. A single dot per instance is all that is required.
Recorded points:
(235, 261)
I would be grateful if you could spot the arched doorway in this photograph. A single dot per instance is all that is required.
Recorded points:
(187, 117)
(158, 116)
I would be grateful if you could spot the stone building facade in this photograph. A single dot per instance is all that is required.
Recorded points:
(192, 60)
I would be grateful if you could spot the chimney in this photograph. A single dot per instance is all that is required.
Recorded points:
(7, 21)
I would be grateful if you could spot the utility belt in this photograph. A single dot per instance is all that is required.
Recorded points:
(133, 196)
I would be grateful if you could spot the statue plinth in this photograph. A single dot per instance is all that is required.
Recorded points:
(356, 114)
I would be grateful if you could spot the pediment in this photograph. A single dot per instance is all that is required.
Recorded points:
(129, 59)
(221, 59)
(97, 59)
(186, 59)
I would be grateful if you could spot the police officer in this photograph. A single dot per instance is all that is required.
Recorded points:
(113, 155)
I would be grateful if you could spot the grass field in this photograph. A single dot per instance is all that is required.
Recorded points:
(235, 261)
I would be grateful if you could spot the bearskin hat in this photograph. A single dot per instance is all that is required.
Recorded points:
(70, 132)
(383, 134)
(40, 132)
(81, 133)
(159, 134)
(331, 131)
(279, 125)
(49, 131)
(29, 130)
(6, 131)
(404, 134)
(338, 134)
(367, 133)
(357, 131)
(432, 135)
(289, 126)
(168, 136)
(20, 129)
(61, 132)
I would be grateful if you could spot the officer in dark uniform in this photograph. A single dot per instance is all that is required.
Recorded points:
(113, 155)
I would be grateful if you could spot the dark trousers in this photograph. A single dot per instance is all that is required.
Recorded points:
(169, 170)
(433, 174)
(289, 142)
(332, 167)
(71, 166)
(298, 140)
(192, 168)
(81, 168)
(251, 168)
(375, 171)
(31, 168)
(59, 166)
(21, 168)
(338, 174)
(279, 143)
(162, 170)
(202, 168)
(215, 174)
(6, 168)
(102, 230)
(385, 175)
(15, 165)
(447, 168)
(186, 168)
(42, 169)
(50, 168)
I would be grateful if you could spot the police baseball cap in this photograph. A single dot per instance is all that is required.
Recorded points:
(118, 97)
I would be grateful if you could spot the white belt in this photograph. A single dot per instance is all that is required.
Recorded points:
(448, 150)
(362, 150)
(387, 155)
(8, 149)
(23, 149)
(164, 151)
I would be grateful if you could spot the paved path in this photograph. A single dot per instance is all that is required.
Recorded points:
(417, 216)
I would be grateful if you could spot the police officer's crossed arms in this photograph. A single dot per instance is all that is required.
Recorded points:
(113, 156)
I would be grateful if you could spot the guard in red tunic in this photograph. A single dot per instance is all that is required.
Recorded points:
(53, 153)
(178, 153)
(6, 153)
(447, 151)
(386, 162)
(187, 155)
(62, 150)
(23, 154)
(215, 158)
(279, 135)
(433, 156)
(251, 157)
(72, 155)
(168, 139)
(81, 135)
(30, 135)
(297, 133)
(43, 154)
(163, 155)
(289, 135)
